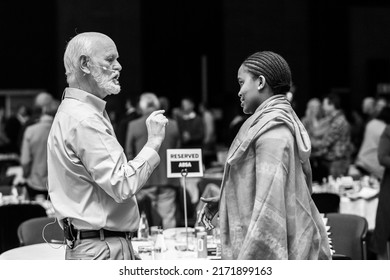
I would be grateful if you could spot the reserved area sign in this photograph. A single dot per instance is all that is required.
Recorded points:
(186, 162)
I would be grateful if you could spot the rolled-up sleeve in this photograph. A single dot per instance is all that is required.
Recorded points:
(104, 159)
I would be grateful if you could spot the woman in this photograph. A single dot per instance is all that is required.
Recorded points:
(314, 121)
(265, 206)
(382, 225)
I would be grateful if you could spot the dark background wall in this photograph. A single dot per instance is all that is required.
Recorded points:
(175, 36)
(281, 26)
(369, 39)
(28, 44)
(328, 44)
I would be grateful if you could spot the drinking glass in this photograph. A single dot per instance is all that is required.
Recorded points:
(146, 252)
(153, 233)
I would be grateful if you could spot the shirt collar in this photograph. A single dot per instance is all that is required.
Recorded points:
(85, 97)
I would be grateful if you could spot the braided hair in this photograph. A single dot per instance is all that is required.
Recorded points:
(273, 67)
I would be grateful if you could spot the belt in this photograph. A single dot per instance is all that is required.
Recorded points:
(102, 234)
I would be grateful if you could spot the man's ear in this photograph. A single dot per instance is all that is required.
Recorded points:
(261, 82)
(84, 67)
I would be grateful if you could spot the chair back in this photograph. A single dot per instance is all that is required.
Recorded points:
(326, 202)
(33, 230)
(348, 234)
(11, 216)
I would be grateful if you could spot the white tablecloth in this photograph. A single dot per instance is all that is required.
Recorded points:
(42, 251)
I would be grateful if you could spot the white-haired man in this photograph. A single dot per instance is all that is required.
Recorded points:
(91, 183)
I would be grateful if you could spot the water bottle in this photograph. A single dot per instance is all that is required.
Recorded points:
(160, 241)
(143, 228)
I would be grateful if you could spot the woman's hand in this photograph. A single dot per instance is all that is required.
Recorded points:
(208, 211)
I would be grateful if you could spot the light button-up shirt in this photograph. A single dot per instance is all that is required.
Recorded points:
(89, 178)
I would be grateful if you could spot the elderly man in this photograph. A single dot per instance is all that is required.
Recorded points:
(91, 184)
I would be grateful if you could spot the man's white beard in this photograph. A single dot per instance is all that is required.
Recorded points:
(104, 82)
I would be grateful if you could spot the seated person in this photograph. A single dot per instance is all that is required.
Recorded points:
(367, 162)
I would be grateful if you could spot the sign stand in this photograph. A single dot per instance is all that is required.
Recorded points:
(184, 163)
(184, 174)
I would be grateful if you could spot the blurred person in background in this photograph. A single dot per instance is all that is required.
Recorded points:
(159, 189)
(290, 95)
(33, 156)
(333, 150)
(367, 161)
(235, 124)
(190, 124)
(210, 137)
(368, 108)
(165, 105)
(131, 114)
(316, 125)
(92, 185)
(14, 127)
(380, 103)
(192, 131)
(41, 100)
(314, 120)
(265, 206)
